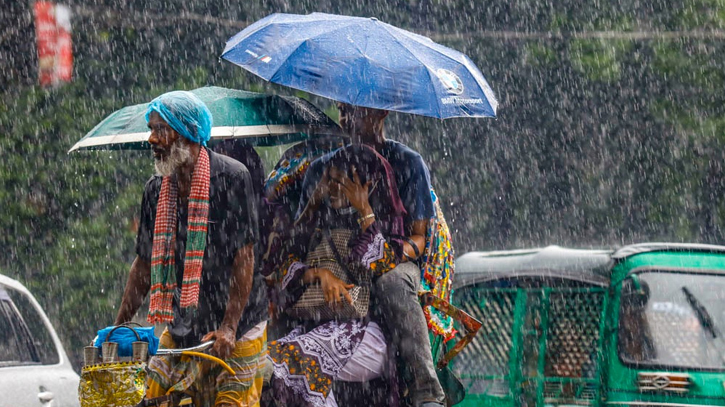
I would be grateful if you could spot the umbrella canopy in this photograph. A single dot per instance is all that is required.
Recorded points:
(364, 62)
(267, 119)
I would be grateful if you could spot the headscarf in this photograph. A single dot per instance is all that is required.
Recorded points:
(185, 113)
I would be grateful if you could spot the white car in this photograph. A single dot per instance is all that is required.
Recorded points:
(34, 368)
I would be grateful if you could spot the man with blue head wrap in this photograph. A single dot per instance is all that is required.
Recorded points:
(195, 255)
(185, 113)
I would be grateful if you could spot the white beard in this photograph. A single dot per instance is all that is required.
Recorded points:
(179, 155)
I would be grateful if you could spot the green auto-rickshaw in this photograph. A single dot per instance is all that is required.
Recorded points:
(639, 326)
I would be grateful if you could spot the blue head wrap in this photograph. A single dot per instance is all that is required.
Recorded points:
(185, 113)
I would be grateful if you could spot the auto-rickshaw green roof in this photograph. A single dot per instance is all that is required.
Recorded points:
(586, 266)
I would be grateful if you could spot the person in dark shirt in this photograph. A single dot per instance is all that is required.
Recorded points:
(244, 152)
(397, 290)
(196, 255)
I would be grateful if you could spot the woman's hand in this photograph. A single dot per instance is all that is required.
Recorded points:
(356, 192)
(333, 288)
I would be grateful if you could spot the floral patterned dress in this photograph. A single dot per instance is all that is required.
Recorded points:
(307, 362)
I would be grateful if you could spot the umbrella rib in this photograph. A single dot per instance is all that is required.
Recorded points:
(227, 46)
(483, 91)
(271, 77)
(464, 62)
(384, 25)
(411, 52)
(428, 43)
(438, 103)
(306, 40)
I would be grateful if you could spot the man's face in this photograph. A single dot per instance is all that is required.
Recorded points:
(350, 117)
(162, 136)
(170, 149)
(360, 121)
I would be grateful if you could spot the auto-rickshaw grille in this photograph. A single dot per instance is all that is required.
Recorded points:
(573, 333)
(536, 346)
(488, 354)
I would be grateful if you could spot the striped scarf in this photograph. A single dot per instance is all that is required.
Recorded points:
(163, 267)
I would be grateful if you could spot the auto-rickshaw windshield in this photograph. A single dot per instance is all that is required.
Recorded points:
(670, 319)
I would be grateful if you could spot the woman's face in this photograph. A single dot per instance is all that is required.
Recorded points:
(338, 200)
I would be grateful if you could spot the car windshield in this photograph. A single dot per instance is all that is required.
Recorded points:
(674, 320)
(24, 338)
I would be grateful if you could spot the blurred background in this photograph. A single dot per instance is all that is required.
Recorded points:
(610, 126)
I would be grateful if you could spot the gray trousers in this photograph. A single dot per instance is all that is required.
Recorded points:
(396, 293)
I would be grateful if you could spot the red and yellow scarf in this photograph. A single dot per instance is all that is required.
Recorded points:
(163, 267)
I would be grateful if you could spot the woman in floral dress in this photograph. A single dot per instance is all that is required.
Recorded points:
(357, 193)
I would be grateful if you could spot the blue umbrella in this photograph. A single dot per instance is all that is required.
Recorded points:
(364, 62)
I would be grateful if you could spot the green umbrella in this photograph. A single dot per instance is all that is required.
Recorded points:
(264, 119)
